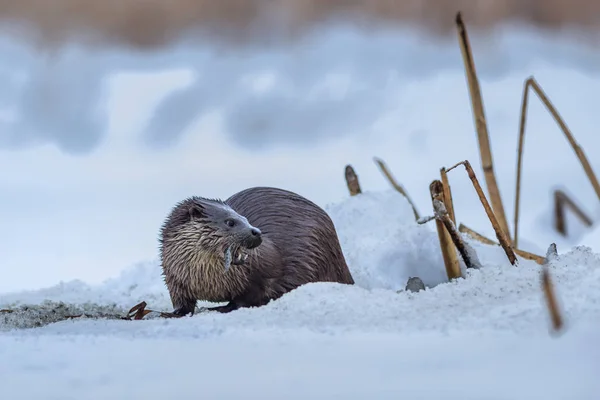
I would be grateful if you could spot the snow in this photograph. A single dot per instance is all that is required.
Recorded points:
(265, 365)
(486, 336)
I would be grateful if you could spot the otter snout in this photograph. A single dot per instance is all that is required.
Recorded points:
(253, 239)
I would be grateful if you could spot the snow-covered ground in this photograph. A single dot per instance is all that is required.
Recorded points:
(482, 337)
(485, 336)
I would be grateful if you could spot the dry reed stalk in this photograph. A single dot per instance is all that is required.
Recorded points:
(561, 202)
(548, 288)
(485, 151)
(532, 83)
(448, 195)
(551, 302)
(504, 242)
(477, 236)
(395, 184)
(436, 188)
(352, 181)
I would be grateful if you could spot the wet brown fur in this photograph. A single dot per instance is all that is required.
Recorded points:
(299, 245)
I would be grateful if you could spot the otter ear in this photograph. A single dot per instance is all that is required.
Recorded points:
(196, 211)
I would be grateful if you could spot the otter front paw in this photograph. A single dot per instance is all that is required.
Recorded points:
(183, 311)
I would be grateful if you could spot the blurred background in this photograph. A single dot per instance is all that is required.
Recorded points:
(113, 111)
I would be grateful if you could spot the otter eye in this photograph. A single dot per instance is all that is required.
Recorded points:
(230, 223)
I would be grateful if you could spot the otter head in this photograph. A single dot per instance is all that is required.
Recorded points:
(221, 230)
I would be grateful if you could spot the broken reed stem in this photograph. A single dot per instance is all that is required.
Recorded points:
(485, 151)
(548, 287)
(532, 83)
(352, 181)
(549, 293)
(383, 167)
(442, 214)
(477, 236)
(448, 195)
(436, 189)
(504, 242)
(561, 202)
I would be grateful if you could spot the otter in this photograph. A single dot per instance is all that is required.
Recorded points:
(245, 251)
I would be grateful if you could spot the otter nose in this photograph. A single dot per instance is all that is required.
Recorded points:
(255, 238)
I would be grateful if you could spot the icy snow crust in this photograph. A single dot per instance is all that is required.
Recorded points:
(373, 340)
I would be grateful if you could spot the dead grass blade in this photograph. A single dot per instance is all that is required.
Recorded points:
(479, 237)
(504, 242)
(352, 181)
(485, 151)
(561, 202)
(532, 83)
(436, 188)
(383, 167)
(138, 311)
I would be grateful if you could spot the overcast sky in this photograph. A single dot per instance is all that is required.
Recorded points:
(96, 147)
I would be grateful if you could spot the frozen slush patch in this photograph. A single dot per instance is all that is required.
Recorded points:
(49, 312)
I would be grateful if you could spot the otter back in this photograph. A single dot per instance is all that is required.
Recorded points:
(300, 230)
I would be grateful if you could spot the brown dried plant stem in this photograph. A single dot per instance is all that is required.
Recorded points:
(383, 167)
(485, 151)
(139, 311)
(504, 242)
(551, 302)
(469, 257)
(561, 202)
(352, 181)
(448, 195)
(448, 250)
(477, 236)
(532, 83)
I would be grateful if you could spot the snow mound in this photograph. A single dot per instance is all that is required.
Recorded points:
(383, 244)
